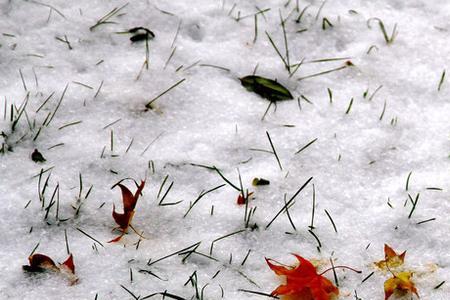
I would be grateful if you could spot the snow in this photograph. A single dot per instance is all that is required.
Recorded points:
(358, 162)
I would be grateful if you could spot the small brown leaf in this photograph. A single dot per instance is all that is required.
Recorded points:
(40, 263)
(129, 203)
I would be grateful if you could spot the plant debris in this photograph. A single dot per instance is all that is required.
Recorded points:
(266, 88)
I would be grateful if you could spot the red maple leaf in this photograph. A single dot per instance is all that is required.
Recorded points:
(303, 282)
(129, 203)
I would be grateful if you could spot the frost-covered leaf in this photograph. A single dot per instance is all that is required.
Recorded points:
(266, 88)
(303, 282)
(400, 283)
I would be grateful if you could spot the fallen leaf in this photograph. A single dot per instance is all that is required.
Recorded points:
(37, 156)
(260, 181)
(141, 34)
(68, 264)
(303, 282)
(41, 263)
(68, 268)
(266, 88)
(391, 258)
(241, 199)
(399, 283)
(129, 203)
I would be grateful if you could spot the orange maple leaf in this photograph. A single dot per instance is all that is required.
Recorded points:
(401, 283)
(303, 282)
(129, 203)
(391, 258)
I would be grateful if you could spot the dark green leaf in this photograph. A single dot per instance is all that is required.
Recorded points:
(260, 181)
(37, 156)
(139, 37)
(141, 34)
(266, 88)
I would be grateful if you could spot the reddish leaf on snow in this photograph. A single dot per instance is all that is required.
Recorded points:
(68, 268)
(129, 203)
(391, 258)
(68, 264)
(41, 263)
(400, 283)
(303, 282)
(241, 199)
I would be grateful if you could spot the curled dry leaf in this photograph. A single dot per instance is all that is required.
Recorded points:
(391, 259)
(129, 203)
(42, 263)
(303, 282)
(400, 283)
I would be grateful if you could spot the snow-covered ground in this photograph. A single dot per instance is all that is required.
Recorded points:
(393, 141)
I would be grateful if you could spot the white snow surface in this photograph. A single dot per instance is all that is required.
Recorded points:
(359, 163)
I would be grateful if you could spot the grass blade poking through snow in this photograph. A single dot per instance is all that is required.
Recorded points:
(223, 237)
(306, 146)
(202, 194)
(441, 82)
(274, 151)
(179, 252)
(289, 202)
(149, 104)
(105, 19)
(388, 39)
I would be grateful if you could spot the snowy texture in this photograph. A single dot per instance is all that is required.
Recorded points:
(380, 126)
